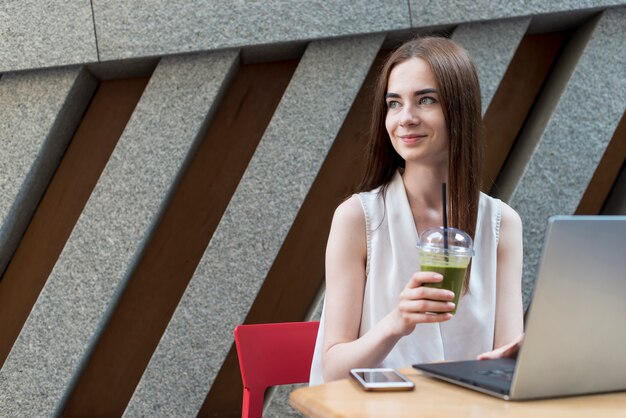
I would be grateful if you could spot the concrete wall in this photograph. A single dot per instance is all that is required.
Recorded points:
(211, 205)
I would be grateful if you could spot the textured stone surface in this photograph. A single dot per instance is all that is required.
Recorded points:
(109, 235)
(255, 223)
(574, 139)
(36, 34)
(492, 45)
(437, 12)
(148, 27)
(45, 34)
(39, 111)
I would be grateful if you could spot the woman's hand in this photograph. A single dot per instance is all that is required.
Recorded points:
(422, 304)
(508, 350)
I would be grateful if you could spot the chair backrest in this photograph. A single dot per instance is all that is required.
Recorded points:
(271, 355)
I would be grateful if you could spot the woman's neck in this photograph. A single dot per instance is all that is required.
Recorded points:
(423, 184)
(423, 189)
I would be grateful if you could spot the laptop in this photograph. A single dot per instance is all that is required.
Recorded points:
(575, 340)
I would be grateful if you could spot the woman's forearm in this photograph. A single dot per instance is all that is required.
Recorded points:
(367, 351)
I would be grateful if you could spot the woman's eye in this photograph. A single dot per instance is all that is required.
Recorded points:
(427, 101)
(393, 104)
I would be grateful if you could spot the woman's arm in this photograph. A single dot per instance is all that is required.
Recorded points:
(509, 311)
(346, 255)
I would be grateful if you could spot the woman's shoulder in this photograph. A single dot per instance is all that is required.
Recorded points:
(507, 213)
(372, 200)
(509, 217)
(503, 217)
(350, 211)
(484, 197)
(510, 225)
(371, 194)
(347, 238)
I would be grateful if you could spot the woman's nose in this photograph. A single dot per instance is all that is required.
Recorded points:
(409, 116)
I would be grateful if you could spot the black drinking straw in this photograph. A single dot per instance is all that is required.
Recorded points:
(445, 216)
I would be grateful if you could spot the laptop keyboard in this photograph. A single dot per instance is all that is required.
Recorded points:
(504, 373)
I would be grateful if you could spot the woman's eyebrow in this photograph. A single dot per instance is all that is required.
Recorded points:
(425, 91)
(417, 93)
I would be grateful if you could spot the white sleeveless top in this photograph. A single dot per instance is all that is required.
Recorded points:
(392, 258)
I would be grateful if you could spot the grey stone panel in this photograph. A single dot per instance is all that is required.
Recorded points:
(39, 112)
(37, 34)
(575, 137)
(437, 12)
(109, 236)
(254, 226)
(156, 27)
(492, 46)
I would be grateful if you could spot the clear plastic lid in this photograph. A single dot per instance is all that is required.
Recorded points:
(458, 243)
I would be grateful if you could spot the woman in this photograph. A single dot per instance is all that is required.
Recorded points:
(426, 129)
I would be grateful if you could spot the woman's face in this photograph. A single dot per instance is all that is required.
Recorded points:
(415, 121)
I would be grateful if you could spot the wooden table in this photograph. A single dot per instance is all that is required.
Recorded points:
(433, 398)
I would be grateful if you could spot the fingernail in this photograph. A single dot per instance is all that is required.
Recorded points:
(437, 276)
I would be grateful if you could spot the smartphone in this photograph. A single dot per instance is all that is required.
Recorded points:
(381, 379)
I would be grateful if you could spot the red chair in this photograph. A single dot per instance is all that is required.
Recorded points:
(271, 355)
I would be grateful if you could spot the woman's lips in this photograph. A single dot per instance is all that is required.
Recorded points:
(411, 139)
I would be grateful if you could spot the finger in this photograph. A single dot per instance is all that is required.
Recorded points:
(510, 350)
(505, 351)
(422, 277)
(490, 355)
(425, 306)
(421, 318)
(493, 354)
(424, 292)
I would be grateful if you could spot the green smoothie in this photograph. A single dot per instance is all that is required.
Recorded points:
(452, 279)
(446, 251)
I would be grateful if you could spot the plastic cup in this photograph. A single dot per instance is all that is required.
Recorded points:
(449, 258)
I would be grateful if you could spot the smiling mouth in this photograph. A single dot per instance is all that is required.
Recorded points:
(410, 139)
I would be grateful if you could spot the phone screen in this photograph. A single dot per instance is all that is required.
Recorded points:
(377, 376)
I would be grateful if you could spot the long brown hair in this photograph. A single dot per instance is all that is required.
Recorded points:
(459, 94)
